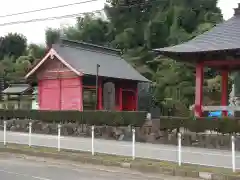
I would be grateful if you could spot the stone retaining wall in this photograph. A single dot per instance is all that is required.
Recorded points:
(150, 132)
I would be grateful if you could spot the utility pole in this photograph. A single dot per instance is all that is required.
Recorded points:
(97, 72)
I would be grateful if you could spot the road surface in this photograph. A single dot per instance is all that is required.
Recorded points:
(16, 168)
(201, 156)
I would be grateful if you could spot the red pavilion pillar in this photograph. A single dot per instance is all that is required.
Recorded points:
(224, 94)
(120, 99)
(199, 90)
(136, 98)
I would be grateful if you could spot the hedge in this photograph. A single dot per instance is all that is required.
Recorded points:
(222, 125)
(125, 118)
(111, 118)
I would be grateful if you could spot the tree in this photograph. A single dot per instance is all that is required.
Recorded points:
(14, 70)
(90, 29)
(13, 45)
(7, 67)
(144, 25)
(52, 36)
(36, 51)
(21, 66)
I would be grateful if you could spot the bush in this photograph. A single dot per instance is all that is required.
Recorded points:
(125, 118)
(221, 125)
(110, 118)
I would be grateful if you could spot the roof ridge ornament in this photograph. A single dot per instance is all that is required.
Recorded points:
(237, 10)
(51, 54)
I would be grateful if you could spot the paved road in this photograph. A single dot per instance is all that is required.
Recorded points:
(15, 168)
(208, 157)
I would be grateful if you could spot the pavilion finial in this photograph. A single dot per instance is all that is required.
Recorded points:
(237, 10)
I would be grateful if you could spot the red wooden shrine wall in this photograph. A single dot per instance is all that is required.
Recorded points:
(59, 88)
(62, 89)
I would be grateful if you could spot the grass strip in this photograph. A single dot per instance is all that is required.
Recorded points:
(140, 164)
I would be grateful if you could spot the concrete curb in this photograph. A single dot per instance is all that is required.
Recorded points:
(135, 166)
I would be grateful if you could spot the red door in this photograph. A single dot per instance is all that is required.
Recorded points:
(71, 94)
(64, 94)
(129, 101)
(49, 91)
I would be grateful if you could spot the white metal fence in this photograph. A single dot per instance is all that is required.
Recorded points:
(177, 153)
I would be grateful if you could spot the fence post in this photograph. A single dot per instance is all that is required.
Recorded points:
(59, 137)
(93, 141)
(30, 135)
(133, 143)
(179, 149)
(4, 132)
(233, 154)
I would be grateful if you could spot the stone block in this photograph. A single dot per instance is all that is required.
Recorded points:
(126, 165)
(193, 174)
(180, 172)
(233, 177)
(205, 175)
(218, 177)
(168, 171)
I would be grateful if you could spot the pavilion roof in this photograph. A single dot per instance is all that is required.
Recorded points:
(17, 89)
(223, 37)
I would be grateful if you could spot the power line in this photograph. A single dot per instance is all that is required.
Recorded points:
(57, 17)
(48, 18)
(49, 8)
(66, 5)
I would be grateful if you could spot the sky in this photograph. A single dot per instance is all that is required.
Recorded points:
(35, 32)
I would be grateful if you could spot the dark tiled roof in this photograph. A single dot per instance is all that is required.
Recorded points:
(16, 89)
(225, 36)
(84, 57)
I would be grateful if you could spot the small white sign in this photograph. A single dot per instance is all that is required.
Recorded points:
(221, 108)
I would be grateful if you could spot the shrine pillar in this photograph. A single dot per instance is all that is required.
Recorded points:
(199, 90)
(224, 91)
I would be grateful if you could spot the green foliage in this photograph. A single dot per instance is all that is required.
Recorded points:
(36, 51)
(89, 29)
(13, 70)
(16, 58)
(52, 36)
(13, 45)
(221, 125)
(144, 25)
(86, 117)
(174, 81)
(22, 65)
